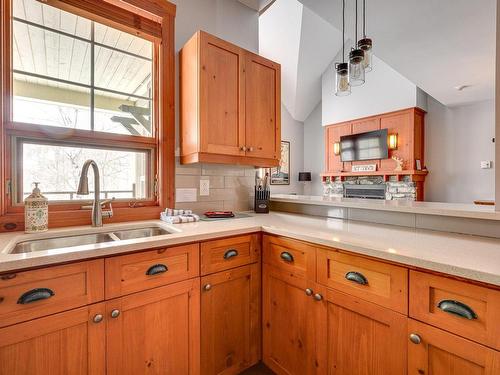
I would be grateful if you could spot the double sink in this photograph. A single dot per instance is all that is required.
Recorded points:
(86, 239)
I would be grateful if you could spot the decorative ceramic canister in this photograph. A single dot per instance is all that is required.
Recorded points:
(36, 212)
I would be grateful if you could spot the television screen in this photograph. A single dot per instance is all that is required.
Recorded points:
(364, 146)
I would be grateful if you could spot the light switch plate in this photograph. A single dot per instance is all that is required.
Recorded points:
(485, 164)
(204, 187)
(185, 195)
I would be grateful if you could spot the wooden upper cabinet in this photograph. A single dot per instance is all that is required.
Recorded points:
(262, 109)
(230, 104)
(222, 121)
(71, 342)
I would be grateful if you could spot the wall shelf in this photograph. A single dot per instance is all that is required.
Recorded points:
(415, 174)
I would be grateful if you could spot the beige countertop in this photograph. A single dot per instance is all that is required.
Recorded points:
(472, 257)
(464, 210)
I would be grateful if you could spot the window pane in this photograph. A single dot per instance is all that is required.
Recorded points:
(42, 14)
(50, 54)
(57, 168)
(45, 102)
(123, 41)
(121, 114)
(121, 72)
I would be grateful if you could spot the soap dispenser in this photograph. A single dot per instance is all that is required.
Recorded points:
(36, 212)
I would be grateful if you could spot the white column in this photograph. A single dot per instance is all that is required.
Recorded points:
(497, 116)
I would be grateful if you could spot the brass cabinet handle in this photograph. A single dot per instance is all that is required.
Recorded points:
(98, 318)
(207, 287)
(457, 308)
(115, 313)
(414, 338)
(230, 253)
(356, 277)
(309, 292)
(156, 269)
(34, 295)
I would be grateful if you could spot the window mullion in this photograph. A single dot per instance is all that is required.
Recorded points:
(92, 75)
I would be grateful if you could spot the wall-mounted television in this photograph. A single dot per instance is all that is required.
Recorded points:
(364, 146)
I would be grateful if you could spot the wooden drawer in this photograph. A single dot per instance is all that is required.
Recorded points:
(219, 255)
(373, 281)
(32, 294)
(140, 271)
(434, 298)
(291, 256)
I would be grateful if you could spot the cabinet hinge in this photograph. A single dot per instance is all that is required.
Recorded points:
(8, 187)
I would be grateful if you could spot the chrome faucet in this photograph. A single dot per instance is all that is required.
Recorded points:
(83, 189)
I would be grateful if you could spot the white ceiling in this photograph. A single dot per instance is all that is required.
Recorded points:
(436, 44)
(304, 44)
(258, 5)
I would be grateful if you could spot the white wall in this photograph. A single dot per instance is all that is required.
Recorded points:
(385, 90)
(456, 140)
(314, 150)
(292, 131)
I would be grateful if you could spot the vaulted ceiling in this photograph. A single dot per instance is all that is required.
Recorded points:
(437, 45)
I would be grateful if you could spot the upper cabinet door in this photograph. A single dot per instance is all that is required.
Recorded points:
(263, 108)
(332, 136)
(222, 103)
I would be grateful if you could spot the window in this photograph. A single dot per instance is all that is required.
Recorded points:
(88, 80)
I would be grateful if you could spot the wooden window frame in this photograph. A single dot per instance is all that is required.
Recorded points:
(153, 20)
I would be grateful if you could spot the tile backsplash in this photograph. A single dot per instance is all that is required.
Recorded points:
(231, 187)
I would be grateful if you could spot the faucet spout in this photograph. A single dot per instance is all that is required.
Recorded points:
(83, 189)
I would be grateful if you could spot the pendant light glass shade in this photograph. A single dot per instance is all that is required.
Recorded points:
(342, 84)
(365, 45)
(356, 67)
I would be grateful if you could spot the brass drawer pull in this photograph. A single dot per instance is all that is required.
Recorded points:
(34, 295)
(457, 308)
(356, 277)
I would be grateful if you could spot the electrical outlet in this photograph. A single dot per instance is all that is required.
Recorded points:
(204, 187)
(485, 164)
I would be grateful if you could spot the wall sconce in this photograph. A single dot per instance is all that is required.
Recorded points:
(336, 148)
(393, 141)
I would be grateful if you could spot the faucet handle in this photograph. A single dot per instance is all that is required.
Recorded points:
(107, 214)
(103, 203)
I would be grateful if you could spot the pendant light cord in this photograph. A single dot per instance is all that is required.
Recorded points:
(343, 31)
(356, 27)
(364, 19)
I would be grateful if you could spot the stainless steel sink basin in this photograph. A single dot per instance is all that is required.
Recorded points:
(140, 233)
(59, 242)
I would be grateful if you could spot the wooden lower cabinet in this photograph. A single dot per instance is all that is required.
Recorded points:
(155, 332)
(230, 320)
(292, 324)
(364, 338)
(60, 344)
(437, 352)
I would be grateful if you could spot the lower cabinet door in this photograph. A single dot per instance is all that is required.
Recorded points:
(71, 342)
(292, 324)
(432, 351)
(364, 338)
(230, 320)
(155, 331)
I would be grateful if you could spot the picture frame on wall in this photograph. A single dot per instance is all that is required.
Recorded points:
(280, 175)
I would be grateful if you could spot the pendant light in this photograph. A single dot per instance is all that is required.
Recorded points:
(342, 84)
(366, 44)
(356, 57)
